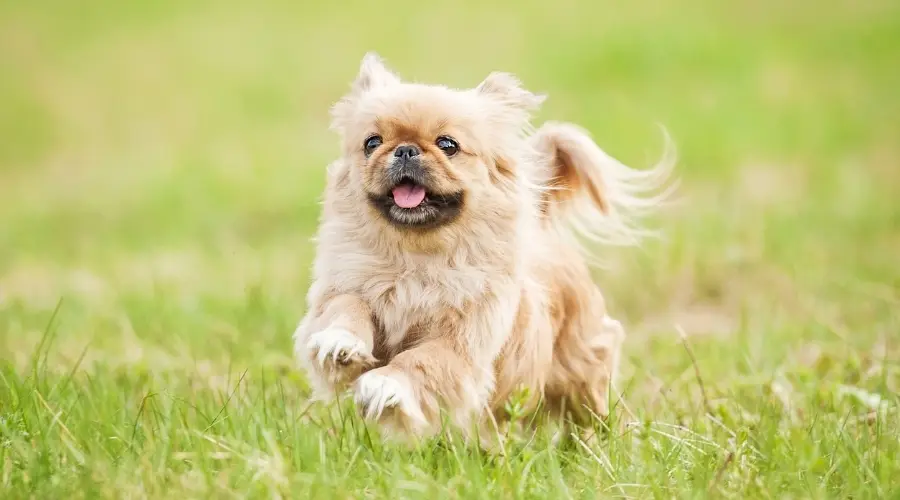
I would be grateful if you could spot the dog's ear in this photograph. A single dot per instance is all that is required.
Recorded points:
(508, 90)
(373, 74)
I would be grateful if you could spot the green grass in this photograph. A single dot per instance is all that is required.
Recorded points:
(160, 166)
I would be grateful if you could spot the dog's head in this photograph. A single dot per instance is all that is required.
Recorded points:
(425, 157)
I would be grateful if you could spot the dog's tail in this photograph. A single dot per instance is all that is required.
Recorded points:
(587, 190)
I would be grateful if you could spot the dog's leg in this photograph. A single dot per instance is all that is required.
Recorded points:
(408, 394)
(451, 368)
(585, 363)
(334, 343)
(606, 347)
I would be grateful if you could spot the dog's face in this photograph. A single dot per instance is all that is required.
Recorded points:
(416, 171)
(425, 156)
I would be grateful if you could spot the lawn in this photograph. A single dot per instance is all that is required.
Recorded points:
(160, 168)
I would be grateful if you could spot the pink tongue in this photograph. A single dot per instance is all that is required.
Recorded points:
(408, 196)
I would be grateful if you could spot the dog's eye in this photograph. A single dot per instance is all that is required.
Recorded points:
(371, 144)
(447, 145)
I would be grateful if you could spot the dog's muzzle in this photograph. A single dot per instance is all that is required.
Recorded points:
(406, 169)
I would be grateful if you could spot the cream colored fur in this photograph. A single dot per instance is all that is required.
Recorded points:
(452, 320)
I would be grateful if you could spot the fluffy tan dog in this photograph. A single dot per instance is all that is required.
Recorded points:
(448, 272)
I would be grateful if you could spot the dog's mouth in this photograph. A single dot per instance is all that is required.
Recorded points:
(408, 194)
(411, 205)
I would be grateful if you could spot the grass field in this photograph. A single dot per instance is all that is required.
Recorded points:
(160, 167)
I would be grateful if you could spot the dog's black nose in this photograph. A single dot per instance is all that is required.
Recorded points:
(406, 152)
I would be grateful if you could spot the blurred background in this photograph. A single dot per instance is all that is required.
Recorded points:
(161, 164)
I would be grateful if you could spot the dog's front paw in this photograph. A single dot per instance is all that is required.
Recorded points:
(338, 354)
(386, 395)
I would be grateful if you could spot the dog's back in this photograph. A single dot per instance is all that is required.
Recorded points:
(588, 194)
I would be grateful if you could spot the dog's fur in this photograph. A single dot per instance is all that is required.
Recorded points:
(452, 317)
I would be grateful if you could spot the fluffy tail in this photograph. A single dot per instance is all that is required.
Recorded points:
(589, 191)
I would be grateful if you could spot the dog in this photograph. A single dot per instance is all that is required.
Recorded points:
(450, 270)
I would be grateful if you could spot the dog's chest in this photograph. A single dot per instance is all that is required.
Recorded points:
(408, 296)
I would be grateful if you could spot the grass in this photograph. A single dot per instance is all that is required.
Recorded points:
(160, 164)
